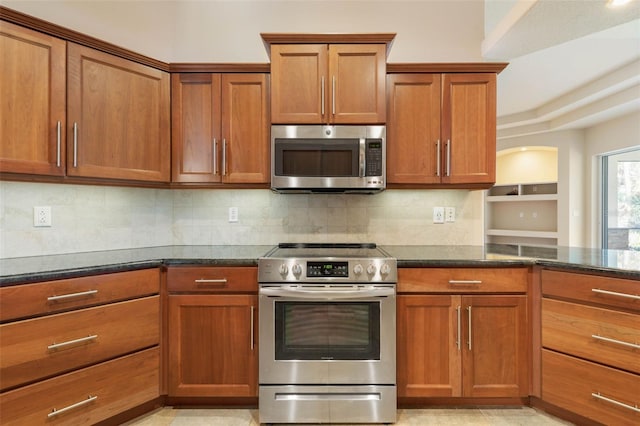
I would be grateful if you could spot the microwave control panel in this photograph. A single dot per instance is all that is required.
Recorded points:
(373, 156)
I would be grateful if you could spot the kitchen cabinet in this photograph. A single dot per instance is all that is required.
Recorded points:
(118, 116)
(453, 329)
(81, 350)
(328, 83)
(33, 108)
(441, 129)
(220, 128)
(589, 345)
(212, 329)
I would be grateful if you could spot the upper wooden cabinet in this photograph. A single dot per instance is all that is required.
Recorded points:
(118, 117)
(441, 129)
(328, 83)
(220, 130)
(32, 106)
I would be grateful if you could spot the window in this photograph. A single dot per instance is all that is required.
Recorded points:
(621, 200)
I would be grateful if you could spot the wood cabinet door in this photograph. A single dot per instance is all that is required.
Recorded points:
(213, 345)
(413, 129)
(428, 353)
(245, 128)
(357, 81)
(469, 128)
(298, 83)
(32, 101)
(118, 117)
(196, 127)
(495, 346)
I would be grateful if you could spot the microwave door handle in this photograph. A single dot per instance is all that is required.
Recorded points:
(363, 157)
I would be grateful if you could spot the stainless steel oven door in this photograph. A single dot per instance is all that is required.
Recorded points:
(327, 334)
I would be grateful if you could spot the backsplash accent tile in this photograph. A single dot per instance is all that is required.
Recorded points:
(89, 218)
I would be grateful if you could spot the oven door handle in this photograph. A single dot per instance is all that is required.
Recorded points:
(333, 294)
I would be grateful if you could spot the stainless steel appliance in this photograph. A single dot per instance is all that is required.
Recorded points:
(328, 158)
(327, 334)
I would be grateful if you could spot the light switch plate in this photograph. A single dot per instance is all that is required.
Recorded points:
(233, 214)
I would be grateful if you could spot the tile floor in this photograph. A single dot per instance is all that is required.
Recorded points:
(516, 416)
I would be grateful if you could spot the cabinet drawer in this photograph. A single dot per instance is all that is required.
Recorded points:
(41, 347)
(616, 292)
(602, 335)
(212, 279)
(86, 396)
(581, 387)
(462, 280)
(28, 300)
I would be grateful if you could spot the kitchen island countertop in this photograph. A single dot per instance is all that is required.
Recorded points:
(621, 263)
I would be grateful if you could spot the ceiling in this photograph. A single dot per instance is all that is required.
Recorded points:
(580, 61)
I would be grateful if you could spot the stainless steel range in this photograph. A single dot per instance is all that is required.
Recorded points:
(327, 334)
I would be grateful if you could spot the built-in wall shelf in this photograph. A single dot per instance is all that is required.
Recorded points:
(522, 213)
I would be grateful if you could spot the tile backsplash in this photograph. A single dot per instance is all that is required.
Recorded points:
(89, 218)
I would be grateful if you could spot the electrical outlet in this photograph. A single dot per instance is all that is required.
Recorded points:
(233, 214)
(438, 215)
(449, 214)
(42, 216)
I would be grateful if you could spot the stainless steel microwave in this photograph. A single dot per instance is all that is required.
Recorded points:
(315, 158)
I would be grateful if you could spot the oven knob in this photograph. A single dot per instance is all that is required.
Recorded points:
(296, 269)
(284, 270)
(371, 269)
(357, 269)
(385, 269)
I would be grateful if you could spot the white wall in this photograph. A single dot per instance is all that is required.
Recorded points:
(88, 218)
(535, 165)
(229, 30)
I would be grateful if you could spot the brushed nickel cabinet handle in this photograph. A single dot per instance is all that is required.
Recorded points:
(438, 159)
(75, 144)
(72, 342)
(469, 342)
(615, 293)
(224, 157)
(597, 395)
(71, 295)
(215, 156)
(54, 412)
(252, 328)
(465, 282)
(322, 96)
(333, 95)
(58, 143)
(459, 327)
(211, 281)
(616, 341)
(448, 157)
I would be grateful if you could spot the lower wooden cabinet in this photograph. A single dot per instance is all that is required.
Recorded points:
(457, 339)
(471, 346)
(213, 334)
(86, 396)
(590, 352)
(606, 395)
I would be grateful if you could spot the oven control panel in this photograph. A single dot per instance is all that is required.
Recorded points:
(327, 269)
(274, 270)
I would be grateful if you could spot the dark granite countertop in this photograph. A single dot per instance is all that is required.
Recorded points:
(624, 264)
(619, 263)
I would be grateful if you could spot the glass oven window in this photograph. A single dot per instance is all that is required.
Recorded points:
(327, 330)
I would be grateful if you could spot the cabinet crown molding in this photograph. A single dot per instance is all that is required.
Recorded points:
(328, 38)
